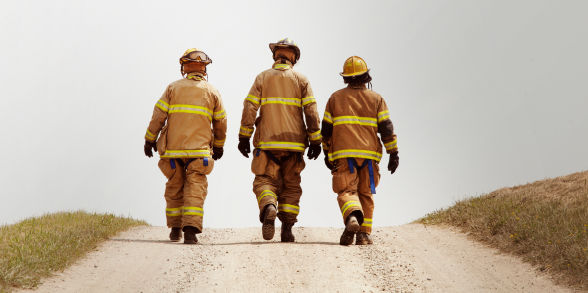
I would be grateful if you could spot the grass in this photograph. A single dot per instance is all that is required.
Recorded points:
(37, 247)
(545, 223)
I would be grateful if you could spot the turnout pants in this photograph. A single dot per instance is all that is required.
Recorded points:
(185, 190)
(354, 189)
(277, 182)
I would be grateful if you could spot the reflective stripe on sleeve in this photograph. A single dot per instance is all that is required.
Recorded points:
(266, 193)
(352, 153)
(219, 143)
(253, 99)
(219, 115)
(149, 136)
(308, 100)
(282, 145)
(315, 136)
(288, 208)
(161, 104)
(283, 101)
(325, 146)
(246, 131)
(367, 121)
(186, 154)
(391, 145)
(367, 222)
(383, 116)
(193, 211)
(327, 117)
(180, 108)
(347, 205)
(173, 212)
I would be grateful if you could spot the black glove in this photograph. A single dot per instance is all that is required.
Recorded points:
(327, 162)
(217, 153)
(393, 162)
(147, 148)
(314, 150)
(244, 147)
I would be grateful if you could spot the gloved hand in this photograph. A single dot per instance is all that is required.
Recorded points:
(244, 146)
(314, 150)
(393, 162)
(327, 162)
(147, 148)
(217, 153)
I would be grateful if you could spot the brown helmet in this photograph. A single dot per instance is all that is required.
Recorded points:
(286, 43)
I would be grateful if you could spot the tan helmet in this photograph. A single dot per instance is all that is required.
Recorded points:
(353, 66)
(195, 55)
(286, 43)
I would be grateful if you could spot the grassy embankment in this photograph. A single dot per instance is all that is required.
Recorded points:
(36, 247)
(545, 223)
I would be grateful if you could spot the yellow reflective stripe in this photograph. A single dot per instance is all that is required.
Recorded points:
(181, 108)
(219, 142)
(353, 153)
(266, 193)
(367, 222)
(308, 100)
(186, 153)
(161, 104)
(283, 101)
(281, 145)
(193, 211)
(383, 116)
(327, 117)
(220, 115)
(315, 135)
(325, 146)
(391, 145)
(367, 121)
(246, 131)
(195, 77)
(253, 99)
(288, 208)
(281, 66)
(347, 205)
(173, 212)
(150, 136)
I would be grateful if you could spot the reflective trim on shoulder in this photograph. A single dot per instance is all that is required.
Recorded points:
(219, 115)
(266, 193)
(327, 117)
(149, 136)
(181, 108)
(391, 145)
(308, 100)
(283, 101)
(367, 121)
(246, 131)
(253, 99)
(367, 222)
(161, 104)
(383, 116)
(288, 208)
(186, 154)
(348, 204)
(282, 145)
(315, 136)
(173, 212)
(353, 153)
(193, 211)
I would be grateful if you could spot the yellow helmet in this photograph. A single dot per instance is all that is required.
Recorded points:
(286, 43)
(353, 66)
(195, 55)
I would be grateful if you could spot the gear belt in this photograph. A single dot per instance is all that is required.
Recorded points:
(351, 163)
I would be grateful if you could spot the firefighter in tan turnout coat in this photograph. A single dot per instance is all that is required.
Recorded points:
(353, 118)
(187, 144)
(284, 100)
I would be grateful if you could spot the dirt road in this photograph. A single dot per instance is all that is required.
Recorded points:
(409, 258)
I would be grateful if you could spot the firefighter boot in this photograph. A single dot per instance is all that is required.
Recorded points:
(176, 234)
(363, 238)
(286, 235)
(190, 235)
(269, 218)
(351, 228)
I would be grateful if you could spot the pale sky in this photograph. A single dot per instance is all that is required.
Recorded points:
(482, 95)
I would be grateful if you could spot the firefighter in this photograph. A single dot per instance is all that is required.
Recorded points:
(187, 144)
(353, 118)
(285, 101)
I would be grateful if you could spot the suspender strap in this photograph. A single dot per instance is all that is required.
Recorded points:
(353, 164)
(372, 180)
(172, 162)
(205, 162)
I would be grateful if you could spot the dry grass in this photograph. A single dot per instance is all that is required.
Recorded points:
(545, 222)
(36, 247)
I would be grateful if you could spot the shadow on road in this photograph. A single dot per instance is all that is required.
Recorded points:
(165, 241)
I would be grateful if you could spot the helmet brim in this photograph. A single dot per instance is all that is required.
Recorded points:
(273, 46)
(354, 74)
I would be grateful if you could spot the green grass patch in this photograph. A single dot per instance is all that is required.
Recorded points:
(545, 222)
(36, 247)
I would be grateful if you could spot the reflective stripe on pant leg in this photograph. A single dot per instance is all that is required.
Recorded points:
(289, 208)
(193, 211)
(367, 204)
(173, 212)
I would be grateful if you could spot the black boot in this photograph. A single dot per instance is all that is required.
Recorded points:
(351, 227)
(176, 234)
(190, 235)
(363, 238)
(269, 218)
(286, 235)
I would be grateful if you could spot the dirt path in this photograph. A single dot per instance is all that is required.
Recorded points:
(409, 258)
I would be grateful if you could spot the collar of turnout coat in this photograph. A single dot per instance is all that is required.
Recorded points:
(282, 66)
(195, 75)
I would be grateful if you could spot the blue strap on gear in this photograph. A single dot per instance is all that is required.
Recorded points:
(172, 162)
(257, 151)
(351, 163)
(372, 180)
(205, 162)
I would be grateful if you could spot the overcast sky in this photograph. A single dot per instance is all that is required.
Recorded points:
(482, 95)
